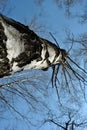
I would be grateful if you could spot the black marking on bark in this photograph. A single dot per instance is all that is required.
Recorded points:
(4, 62)
(17, 25)
(32, 51)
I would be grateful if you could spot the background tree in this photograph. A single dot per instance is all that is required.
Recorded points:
(61, 105)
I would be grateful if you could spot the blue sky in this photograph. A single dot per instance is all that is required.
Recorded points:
(56, 22)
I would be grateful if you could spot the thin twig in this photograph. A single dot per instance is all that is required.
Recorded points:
(54, 39)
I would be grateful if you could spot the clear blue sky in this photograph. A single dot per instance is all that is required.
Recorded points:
(53, 18)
